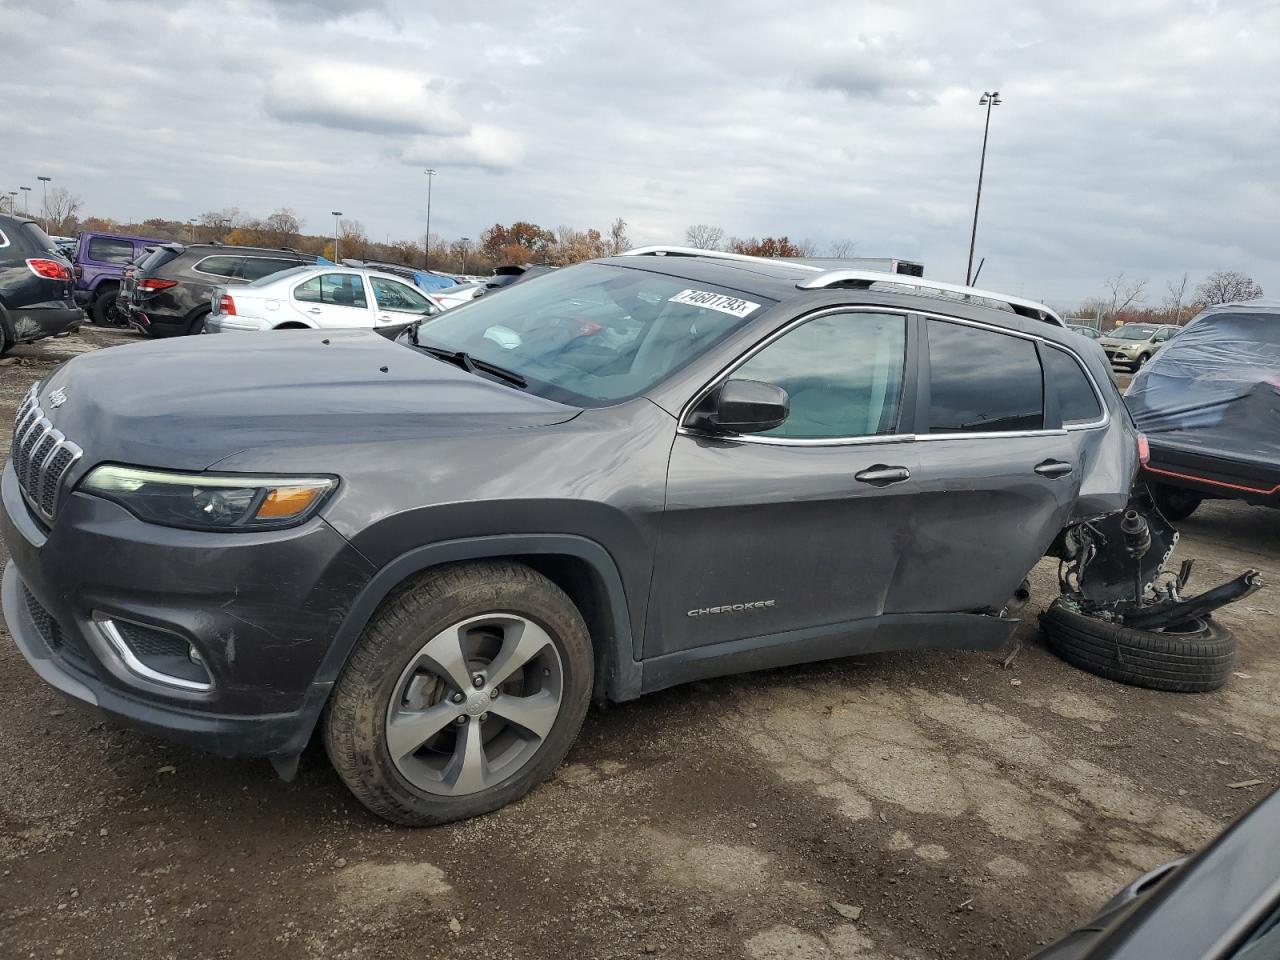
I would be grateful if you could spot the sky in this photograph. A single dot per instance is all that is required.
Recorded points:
(1139, 137)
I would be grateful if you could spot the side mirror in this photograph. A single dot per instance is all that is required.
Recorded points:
(741, 406)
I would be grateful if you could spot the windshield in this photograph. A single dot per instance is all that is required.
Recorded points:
(594, 334)
(1131, 332)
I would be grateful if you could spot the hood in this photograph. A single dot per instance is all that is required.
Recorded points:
(1114, 342)
(189, 402)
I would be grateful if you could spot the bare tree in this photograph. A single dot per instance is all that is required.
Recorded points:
(805, 248)
(61, 209)
(703, 236)
(618, 240)
(282, 226)
(1123, 293)
(1175, 302)
(219, 223)
(1224, 286)
(842, 248)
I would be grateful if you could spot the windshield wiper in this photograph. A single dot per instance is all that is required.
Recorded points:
(461, 358)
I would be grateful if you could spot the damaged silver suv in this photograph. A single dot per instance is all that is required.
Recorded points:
(615, 478)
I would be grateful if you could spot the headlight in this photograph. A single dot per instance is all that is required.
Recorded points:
(205, 501)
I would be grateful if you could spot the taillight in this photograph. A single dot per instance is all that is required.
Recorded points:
(79, 272)
(1144, 450)
(151, 285)
(227, 305)
(50, 269)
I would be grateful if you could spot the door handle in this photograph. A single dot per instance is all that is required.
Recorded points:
(880, 475)
(1053, 469)
(315, 310)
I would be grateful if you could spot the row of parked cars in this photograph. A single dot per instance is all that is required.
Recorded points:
(173, 289)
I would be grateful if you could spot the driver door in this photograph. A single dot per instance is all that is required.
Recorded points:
(796, 527)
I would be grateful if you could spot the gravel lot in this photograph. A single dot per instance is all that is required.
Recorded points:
(968, 810)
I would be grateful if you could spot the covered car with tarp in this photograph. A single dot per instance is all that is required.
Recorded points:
(1209, 403)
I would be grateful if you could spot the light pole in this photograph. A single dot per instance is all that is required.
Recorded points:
(466, 245)
(26, 205)
(191, 230)
(426, 250)
(336, 215)
(13, 202)
(987, 100)
(44, 203)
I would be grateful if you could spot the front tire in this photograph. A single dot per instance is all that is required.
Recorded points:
(466, 690)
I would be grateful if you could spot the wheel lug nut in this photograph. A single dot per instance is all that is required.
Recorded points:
(458, 698)
(493, 694)
(484, 717)
(461, 721)
(478, 679)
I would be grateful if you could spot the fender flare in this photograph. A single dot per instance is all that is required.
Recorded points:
(617, 674)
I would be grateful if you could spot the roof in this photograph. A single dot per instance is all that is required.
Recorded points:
(788, 279)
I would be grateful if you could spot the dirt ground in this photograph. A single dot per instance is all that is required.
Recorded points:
(967, 810)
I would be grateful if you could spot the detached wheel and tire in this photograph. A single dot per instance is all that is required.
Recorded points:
(1194, 657)
(466, 690)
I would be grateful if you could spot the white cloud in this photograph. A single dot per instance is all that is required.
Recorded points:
(363, 98)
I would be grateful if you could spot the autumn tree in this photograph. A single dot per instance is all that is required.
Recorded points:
(769, 247)
(218, 223)
(1227, 286)
(520, 243)
(704, 236)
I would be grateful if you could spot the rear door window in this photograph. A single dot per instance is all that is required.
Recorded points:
(219, 266)
(255, 268)
(981, 381)
(41, 239)
(338, 289)
(110, 250)
(1076, 400)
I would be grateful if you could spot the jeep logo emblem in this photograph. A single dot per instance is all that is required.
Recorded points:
(57, 398)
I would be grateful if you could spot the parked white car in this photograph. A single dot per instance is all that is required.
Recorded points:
(320, 297)
(456, 296)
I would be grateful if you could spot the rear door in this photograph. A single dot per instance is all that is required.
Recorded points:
(332, 300)
(996, 473)
(797, 527)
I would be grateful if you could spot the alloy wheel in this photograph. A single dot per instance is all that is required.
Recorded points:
(474, 704)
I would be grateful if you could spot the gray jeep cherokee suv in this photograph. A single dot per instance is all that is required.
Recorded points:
(617, 477)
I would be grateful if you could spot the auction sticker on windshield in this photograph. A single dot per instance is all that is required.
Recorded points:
(715, 301)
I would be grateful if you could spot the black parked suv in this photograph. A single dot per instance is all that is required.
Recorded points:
(617, 477)
(168, 294)
(37, 289)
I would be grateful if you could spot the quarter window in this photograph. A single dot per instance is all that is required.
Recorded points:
(1076, 400)
(982, 382)
(110, 250)
(391, 295)
(219, 266)
(337, 289)
(842, 373)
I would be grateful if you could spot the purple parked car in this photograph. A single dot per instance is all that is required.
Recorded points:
(100, 260)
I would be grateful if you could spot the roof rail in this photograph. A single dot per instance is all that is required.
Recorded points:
(664, 250)
(865, 278)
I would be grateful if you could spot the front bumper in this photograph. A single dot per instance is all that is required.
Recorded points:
(260, 609)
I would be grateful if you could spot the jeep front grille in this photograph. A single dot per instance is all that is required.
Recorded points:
(41, 456)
